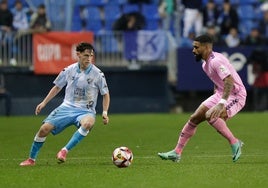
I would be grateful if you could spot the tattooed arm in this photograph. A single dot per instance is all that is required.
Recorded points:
(228, 86)
(219, 110)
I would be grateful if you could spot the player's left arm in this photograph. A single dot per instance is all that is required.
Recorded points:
(217, 111)
(105, 107)
(228, 86)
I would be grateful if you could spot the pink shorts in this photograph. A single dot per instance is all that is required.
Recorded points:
(234, 103)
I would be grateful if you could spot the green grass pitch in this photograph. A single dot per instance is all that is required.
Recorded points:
(206, 161)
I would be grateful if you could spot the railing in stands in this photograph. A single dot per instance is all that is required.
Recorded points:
(17, 51)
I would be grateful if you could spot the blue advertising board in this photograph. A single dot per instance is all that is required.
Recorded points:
(191, 77)
(145, 45)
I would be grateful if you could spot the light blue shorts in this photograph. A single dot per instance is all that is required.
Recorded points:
(64, 116)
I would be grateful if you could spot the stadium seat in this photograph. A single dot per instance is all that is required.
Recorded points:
(249, 2)
(94, 13)
(246, 12)
(56, 13)
(116, 2)
(112, 12)
(127, 8)
(76, 25)
(108, 25)
(76, 12)
(155, 1)
(82, 2)
(11, 3)
(97, 2)
(152, 24)
(234, 2)
(245, 27)
(35, 3)
(218, 2)
(94, 26)
(150, 11)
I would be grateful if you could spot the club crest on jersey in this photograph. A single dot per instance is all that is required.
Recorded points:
(89, 80)
(223, 69)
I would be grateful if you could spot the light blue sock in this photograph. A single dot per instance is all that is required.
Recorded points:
(76, 138)
(35, 149)
(36, 146)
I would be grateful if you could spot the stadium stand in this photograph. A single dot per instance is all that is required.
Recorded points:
(99, 15)
(150, 11)
(248, 2)
(112, 12)
(98, 3)
(116, 2)
(127, 8)
(246, 12)
(81, 2)
(152, 24)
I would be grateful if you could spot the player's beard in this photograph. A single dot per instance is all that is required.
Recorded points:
(198, 57)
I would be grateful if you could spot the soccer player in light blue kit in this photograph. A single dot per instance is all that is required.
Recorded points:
(83, 82)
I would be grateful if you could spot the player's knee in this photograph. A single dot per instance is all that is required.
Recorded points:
(196, 119)
(207, 115)
(45, 130)
(87, 123)
(88, 126)
(224, 115)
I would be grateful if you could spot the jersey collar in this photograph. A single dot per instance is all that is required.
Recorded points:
(86, 71)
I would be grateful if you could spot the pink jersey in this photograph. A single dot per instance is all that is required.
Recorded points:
(218, 67)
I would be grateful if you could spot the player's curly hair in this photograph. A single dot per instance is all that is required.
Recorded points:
(84, 46)
(204, 39)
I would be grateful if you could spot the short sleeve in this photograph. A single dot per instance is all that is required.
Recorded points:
(61, 79)
(102, 84)
(221, 69)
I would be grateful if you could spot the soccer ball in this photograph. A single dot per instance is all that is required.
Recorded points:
(122, 157)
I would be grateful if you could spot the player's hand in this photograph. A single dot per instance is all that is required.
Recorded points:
(39, 107)
(216, 111)
(105, 118)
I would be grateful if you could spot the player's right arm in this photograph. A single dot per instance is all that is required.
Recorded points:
(52, 93)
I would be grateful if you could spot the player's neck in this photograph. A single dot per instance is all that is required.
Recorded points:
(207, 55)
(83, 68)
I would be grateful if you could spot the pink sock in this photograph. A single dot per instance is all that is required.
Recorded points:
(220, 125)
(187, 132)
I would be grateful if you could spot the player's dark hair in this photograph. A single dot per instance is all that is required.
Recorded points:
(204, 39)
(84, 46)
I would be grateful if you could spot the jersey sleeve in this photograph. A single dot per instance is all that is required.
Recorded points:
(103, 87)
(61, 79)
(221, 69)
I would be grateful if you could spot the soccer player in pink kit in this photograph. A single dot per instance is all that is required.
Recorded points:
(228, 99)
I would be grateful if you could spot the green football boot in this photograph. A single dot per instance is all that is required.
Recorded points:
(237, 150)
(171, 155)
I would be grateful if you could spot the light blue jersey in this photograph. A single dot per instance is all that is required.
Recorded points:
(81, 94)
(82, 88)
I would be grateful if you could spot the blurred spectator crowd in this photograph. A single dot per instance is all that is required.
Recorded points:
(18, 21)
(230, 22)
